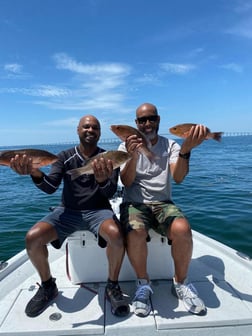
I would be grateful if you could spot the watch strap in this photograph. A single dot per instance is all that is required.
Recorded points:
(185, 156)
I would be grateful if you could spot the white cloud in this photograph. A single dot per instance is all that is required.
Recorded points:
(243, 6)
(13, 68)
(243, 29)
(14, 71)
(63, 122)
(147, 78)
(176, 68)
(104, 102)
(195, 52)
(63, 61)
(40, 91)
(233, 67)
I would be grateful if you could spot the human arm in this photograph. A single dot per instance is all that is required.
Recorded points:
(128, 171)
(196, 136)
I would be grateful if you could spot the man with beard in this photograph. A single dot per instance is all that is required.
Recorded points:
(147, 203)
(84, 206)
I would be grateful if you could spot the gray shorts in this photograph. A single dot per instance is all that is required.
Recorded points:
(67, 221)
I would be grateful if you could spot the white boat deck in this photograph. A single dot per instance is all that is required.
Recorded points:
(221, 276)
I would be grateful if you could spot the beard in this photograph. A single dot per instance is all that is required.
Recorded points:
(152, 135)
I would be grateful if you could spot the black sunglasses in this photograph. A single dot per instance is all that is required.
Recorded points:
(151, 119)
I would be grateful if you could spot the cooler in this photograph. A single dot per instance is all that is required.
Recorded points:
(87, 262)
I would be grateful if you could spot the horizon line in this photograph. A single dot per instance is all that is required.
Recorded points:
(114, 140)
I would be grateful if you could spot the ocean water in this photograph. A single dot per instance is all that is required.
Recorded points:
(216, 195)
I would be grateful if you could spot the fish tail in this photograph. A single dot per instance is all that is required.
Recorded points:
(75, 173)
(151, 156)
(216, 136)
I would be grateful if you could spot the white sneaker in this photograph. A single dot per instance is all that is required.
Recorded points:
(141, 301)
(189, 295)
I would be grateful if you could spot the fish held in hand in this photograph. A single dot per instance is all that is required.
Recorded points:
(39, 157)
(124, 131)
(117, 157)
(182, 131)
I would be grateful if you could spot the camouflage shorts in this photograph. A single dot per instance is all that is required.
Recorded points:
(156, 215)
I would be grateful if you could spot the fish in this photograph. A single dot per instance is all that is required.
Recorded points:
(117, 157)
(124, 131)
(182, 131)
(39, 157)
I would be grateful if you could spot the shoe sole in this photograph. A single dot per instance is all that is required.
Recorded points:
(118, 310)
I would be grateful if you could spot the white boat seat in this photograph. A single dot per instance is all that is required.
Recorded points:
(87, 262)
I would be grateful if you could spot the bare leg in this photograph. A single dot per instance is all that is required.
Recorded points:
(36, 240)
(115, 247)
(110, 231)
(137, 252)
(181, 236)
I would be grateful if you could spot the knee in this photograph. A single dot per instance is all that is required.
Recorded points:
(30, 239)
(180, 228)
(138, 236)
(34, 237)
(113, 235)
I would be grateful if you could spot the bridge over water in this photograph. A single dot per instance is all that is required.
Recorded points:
(117, 140)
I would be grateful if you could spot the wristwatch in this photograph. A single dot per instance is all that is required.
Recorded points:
(185, 156)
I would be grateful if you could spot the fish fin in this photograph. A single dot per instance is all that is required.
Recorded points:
(152, 157)
(75, 173)
(149, 154)
(217, 136)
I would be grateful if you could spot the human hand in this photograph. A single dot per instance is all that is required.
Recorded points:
(103, 169)
(132, 144)
(196, 136)
(22, 165)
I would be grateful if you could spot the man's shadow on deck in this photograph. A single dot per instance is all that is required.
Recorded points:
(207, 271)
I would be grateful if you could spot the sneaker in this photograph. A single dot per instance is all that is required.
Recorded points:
(119, 304)
(41, 300)
(189, 295)
(141, 301)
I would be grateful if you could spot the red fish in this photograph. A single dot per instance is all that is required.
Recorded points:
(39, 157)
(124, 131)
(183, 130)
(117, 158)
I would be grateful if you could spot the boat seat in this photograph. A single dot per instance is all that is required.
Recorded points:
(87, 262)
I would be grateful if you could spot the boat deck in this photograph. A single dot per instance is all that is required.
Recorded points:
(221, 276)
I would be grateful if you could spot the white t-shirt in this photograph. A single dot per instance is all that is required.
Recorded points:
(153, 179)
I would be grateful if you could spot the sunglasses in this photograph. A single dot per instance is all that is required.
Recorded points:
(151, 119)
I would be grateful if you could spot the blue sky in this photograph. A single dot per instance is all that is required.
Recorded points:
(62, 59)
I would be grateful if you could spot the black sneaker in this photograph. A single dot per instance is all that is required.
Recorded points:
(41, 300)
(119, 304)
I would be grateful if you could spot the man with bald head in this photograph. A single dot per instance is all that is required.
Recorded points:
(84, 206)
(147, 203)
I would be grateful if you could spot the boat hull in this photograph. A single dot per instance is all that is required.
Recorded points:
(221, 276)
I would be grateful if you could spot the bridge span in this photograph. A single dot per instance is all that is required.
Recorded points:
(117, 140)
